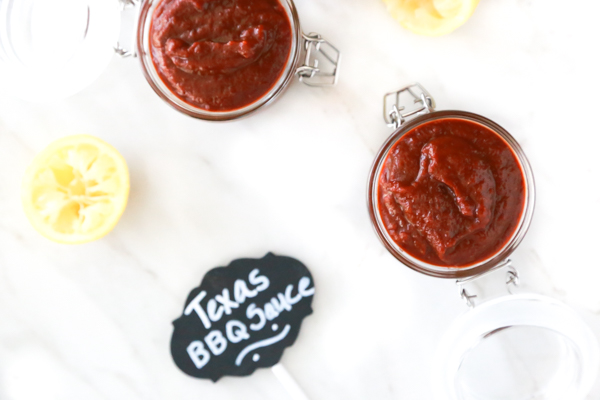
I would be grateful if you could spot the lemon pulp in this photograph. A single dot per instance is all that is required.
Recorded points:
(431, 17)
(76, 189)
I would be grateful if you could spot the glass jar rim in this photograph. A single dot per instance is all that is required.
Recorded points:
(149, 70)
(437, 270)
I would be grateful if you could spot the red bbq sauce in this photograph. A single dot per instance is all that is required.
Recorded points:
(220, 55)
(451, 192)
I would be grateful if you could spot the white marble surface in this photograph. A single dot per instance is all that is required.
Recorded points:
(94, 321)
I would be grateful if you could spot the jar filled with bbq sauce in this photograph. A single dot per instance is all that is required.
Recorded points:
(222, 60)
(451, 195)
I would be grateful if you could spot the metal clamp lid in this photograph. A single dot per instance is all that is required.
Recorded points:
(321, 61)
(396, 111)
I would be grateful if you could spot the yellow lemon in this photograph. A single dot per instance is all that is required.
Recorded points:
(431, 17)
(76, 189)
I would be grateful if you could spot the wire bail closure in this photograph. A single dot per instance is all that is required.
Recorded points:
(321, 61)
(512, 281)
(393, 114)
(120, 50)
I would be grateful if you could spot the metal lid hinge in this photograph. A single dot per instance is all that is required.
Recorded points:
(118, 48)
(321, 61)
(512, 281)
(398, 109)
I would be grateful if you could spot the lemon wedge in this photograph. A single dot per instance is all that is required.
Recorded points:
(431, 17)
(76, 189)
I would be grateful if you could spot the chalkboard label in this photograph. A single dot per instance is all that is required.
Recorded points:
(242, 317)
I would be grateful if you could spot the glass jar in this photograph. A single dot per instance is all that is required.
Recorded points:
(423, 113)
(54, 49)
(516, 346)
(314, 60)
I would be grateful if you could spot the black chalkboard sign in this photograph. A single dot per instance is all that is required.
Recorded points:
(242, 317)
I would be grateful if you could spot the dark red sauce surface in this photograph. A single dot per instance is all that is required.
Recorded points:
(220, 55)
(451, 192)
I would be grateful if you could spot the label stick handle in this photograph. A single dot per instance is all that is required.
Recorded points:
(288, 382)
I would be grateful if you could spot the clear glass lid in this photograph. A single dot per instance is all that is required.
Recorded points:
(517, 347)
(53, 49)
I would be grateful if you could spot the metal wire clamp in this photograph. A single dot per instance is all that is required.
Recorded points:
(396, 109)
(318, 51)
(120, 50)
(512, 281)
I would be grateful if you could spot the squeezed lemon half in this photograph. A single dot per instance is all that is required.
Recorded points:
(431, 17)
(76, 189)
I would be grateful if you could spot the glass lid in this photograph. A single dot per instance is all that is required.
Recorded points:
(517, 347)
(53, 49)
